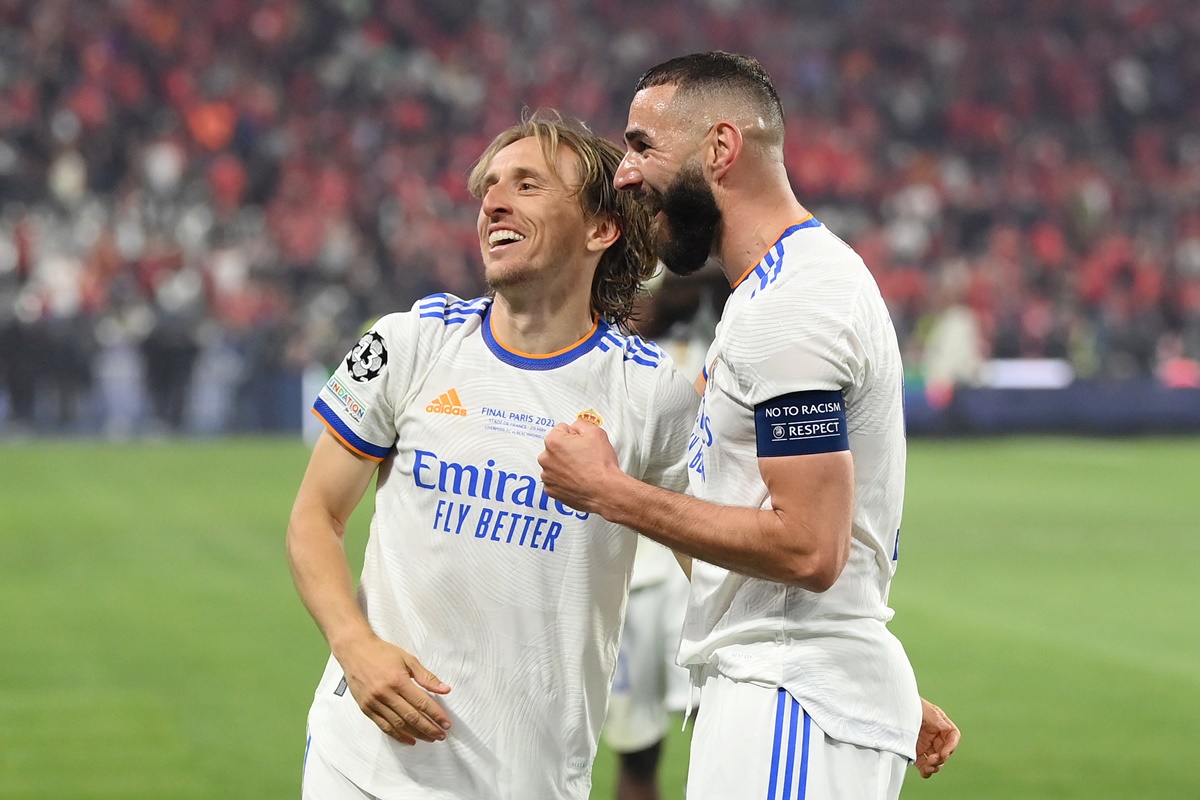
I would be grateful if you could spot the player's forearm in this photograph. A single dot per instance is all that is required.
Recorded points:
(323, 580)
(761, 543)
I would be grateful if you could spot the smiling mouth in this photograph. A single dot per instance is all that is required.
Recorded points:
(503, 238)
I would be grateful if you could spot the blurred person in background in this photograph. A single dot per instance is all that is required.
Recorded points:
(20, 366)
(171, 345)
(797, 459)
(953, 352)
(476, 660)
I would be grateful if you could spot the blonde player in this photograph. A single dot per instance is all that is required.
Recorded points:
(796, 469)
(475, 661)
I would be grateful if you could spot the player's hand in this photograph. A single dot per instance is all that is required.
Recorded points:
(390, 686)
(576, 460)
(937, 740)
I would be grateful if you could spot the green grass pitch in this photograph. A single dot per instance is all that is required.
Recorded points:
(152, 646)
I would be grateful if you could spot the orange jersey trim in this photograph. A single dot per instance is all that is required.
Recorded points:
(342, 439)
(758, 261)
(522, 354)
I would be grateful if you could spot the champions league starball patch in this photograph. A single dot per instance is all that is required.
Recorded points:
(368, 358)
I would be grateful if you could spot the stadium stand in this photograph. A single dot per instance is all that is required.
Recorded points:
(201, 201)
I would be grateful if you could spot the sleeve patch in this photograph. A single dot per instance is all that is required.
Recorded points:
(801, 423)
(342, 431)
(368, 358)
(355, 409)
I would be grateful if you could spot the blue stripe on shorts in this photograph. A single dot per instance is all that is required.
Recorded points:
(794, 713)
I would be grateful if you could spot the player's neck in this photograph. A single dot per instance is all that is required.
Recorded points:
(541, 325)
(751, 225)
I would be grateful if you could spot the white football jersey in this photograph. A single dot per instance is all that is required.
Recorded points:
(513, 599)
(808, 318)
(654, 562)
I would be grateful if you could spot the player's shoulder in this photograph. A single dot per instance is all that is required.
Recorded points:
(820, 258)
(806, 291)
(649, 373)
(426, 326)
(434, 318)
(636, 354)
(449, 310)
(810, 275)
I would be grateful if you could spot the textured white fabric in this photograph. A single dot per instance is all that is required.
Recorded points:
(513, 599)
(779, 752)
(686, 345)
(322, 782)
(808, 317)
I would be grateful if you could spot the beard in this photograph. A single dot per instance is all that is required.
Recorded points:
(692, 221)
(509, 277)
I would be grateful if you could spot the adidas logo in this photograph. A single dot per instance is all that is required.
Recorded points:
(448, 403)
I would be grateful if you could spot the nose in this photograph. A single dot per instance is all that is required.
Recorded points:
(627, 176)
(495, 201)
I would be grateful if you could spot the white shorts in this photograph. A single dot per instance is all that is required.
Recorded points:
(648, 683)
(754, 741)
(321, 781)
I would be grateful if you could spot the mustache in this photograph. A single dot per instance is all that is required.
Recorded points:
(650, 200)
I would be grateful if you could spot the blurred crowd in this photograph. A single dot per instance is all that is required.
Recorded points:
(198, 199)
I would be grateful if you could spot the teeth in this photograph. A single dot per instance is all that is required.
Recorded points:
(497, 237)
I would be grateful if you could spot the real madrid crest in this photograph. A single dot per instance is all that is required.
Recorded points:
(592, 416)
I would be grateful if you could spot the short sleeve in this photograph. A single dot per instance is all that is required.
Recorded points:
(783, 353)
(672, 414)
(357, 403)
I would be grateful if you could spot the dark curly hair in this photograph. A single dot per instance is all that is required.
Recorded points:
(631, 259)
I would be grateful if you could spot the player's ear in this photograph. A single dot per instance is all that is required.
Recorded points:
(603, 232)
(724, 146)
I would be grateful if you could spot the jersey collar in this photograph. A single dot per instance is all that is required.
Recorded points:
(761, 265)
(539, 363)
